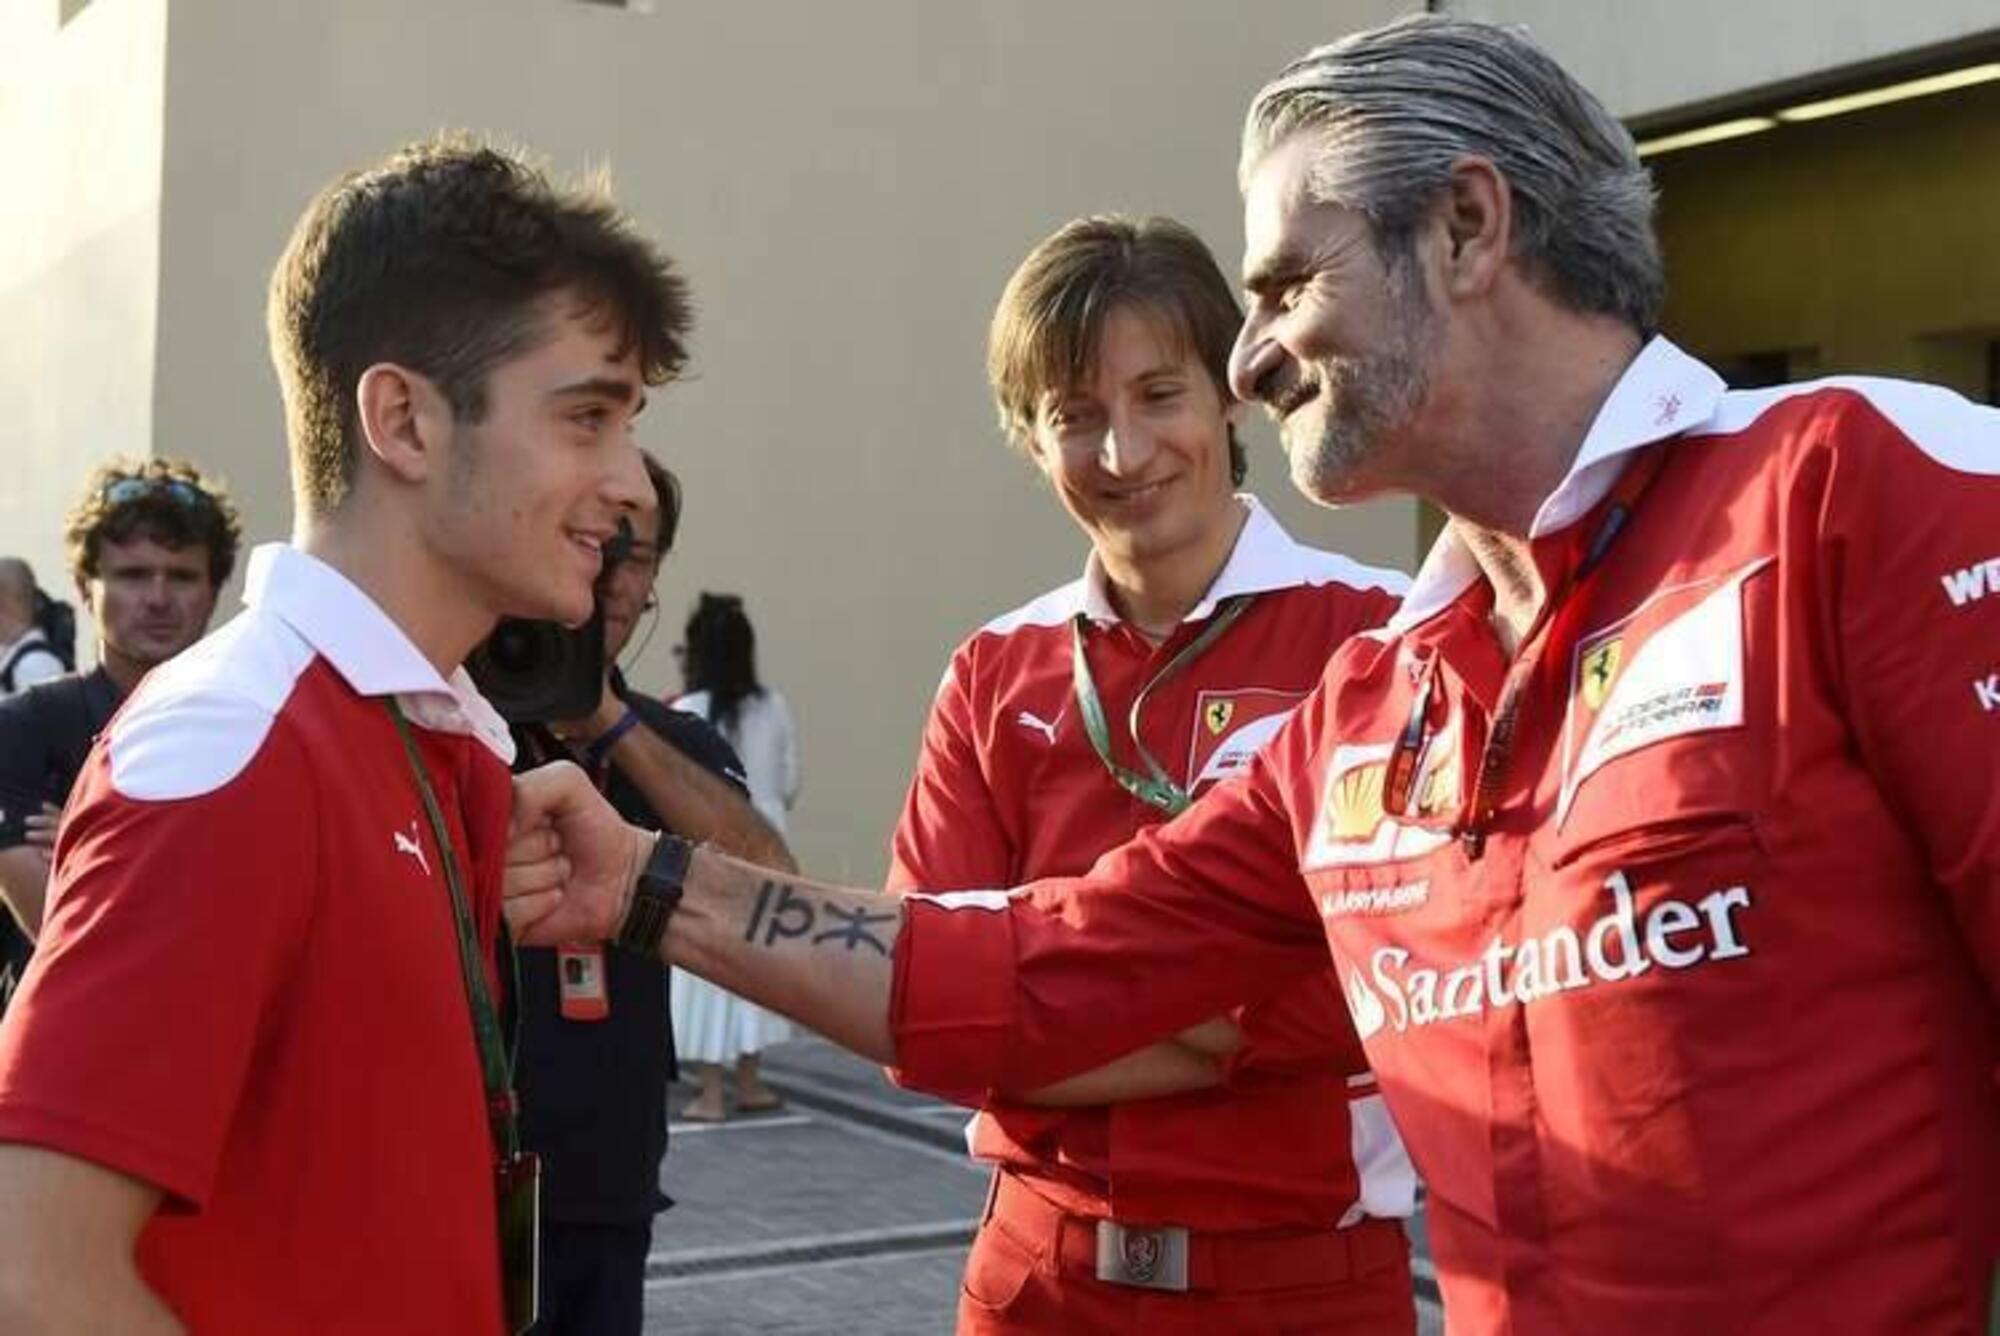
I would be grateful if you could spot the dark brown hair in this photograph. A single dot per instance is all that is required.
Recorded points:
(440, 260)
(166, 501)
(721, 658)
(1045, 331)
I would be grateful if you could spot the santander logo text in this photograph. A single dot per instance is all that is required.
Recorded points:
(1397, 991)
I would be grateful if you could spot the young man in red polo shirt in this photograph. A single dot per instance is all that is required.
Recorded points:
(1265, 1193)
(239, 1089)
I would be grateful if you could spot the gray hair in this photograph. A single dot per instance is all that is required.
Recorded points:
(1394, 107)
(17, 585)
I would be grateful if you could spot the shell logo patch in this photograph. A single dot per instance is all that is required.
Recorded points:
(1437, 787)
(1354, 803)
(1354, 830)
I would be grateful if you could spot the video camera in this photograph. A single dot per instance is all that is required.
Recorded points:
(536, 672)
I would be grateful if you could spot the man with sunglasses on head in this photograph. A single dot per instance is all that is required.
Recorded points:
(595, 1046)
(150, 544)
(1174, 1189)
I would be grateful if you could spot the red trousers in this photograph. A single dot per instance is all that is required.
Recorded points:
(1034, 1269)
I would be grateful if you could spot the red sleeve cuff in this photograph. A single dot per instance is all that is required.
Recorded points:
(952, 1012)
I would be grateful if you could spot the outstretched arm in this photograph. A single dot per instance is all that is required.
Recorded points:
(819, 954)
(1007, 990)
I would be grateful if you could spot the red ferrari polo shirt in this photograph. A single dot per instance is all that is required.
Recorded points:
(247, 992)
(1009, 788)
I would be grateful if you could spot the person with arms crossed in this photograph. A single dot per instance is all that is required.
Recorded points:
(595, 1047)
(1246, 1196)
(254, 1081)
(26, 654)
(150, 544)
(1652, 837)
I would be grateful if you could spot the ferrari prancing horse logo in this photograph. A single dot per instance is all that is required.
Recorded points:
(1218, 713)
(1141, 1255)
(1600, 667)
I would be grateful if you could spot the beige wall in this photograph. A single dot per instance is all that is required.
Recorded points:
(1646, 56)
(848, 186)
(1859, 244)
(80, 134)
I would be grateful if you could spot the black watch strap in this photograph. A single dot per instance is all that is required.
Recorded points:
(656, 896)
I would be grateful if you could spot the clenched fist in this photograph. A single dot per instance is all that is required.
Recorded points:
(571, 859)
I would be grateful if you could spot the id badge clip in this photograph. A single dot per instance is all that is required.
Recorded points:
(585, 992)
(518, 1191)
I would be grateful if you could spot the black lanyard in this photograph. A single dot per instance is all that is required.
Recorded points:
(1155, 789)
(493, 1063)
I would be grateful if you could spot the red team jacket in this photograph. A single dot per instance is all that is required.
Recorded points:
(1704, 1037)
(1008, 788)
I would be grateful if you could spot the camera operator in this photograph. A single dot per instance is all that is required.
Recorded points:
(150, 544)
(28, 654)
(596, 1049)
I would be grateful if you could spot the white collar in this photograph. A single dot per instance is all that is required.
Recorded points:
(1264, 558)
(365, 645)
(1663, 393)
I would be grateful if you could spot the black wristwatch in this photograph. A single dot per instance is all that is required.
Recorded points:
(655, 897)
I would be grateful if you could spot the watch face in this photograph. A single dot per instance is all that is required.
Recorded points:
(656, 895)
(667, 865)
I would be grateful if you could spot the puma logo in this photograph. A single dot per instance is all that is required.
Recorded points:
(409, 844)
(1032, 720)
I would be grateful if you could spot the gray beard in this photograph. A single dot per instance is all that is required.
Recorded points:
(1370, 396)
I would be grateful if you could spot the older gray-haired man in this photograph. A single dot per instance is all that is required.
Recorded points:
(1655, 837)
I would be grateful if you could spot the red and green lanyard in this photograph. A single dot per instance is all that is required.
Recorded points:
(1155, 788)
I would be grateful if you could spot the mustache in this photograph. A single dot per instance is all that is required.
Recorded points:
(1285, 390)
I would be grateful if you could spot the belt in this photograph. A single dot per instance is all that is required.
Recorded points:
(1171, 1257)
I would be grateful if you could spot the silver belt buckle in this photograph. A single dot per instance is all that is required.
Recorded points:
(1147, 1258)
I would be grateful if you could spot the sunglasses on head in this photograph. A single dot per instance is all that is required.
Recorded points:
(131, 489)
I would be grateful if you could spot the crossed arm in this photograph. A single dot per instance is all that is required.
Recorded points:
(24, 870)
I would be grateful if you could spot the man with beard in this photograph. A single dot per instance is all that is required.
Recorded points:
(1654, 837)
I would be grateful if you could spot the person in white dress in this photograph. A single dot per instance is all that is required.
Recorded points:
(715, 1030)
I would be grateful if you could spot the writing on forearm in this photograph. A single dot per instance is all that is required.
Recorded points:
(824, 955)
(783, 912)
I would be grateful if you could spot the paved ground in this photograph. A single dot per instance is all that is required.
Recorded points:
(848, 1212)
